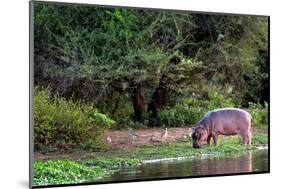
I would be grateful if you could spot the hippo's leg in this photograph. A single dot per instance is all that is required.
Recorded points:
(249, 138)
(249, 141)
(215, 138)
(209, 140)
(246, 139)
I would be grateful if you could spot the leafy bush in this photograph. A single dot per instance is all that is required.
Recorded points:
(180, 116)
(193, 109)
(213, 101)
(128, 121)
(259, 114)
(217, 100)
(64, 123)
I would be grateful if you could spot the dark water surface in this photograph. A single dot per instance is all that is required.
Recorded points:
(248, 162)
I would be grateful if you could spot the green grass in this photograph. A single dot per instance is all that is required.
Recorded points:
(180, 149)
(227, 145)
(111, 162)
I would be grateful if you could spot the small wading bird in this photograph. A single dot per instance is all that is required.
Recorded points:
(133, 135)
(164, 133)
(184, 136)
(153, 138)
(108, 139)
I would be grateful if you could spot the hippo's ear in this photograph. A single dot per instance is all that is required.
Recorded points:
(201, 127)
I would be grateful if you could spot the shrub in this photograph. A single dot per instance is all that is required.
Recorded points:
(64, 123)
(259, 114)
(217, 100)
(213, 100)
(180, 116)
(129, 121)
(193, 109)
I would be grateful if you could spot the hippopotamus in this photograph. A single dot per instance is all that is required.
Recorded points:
(225, 121)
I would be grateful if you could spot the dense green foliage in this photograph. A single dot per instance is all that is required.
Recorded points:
(64, 123)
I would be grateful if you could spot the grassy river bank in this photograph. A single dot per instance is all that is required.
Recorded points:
(96, 165)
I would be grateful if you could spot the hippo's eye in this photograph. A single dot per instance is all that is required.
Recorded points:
(195, 135)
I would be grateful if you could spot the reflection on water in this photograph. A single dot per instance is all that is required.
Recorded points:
(245, 163)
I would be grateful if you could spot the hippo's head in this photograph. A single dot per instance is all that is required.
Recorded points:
(199, 135)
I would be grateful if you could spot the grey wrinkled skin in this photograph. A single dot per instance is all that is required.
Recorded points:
(226, 121)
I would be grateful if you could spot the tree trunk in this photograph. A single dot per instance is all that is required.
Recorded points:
(138, 100)
(160, 97)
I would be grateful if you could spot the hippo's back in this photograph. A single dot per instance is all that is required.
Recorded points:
(232, 119)
(230, 112)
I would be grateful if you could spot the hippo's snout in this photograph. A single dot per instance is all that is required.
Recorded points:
(195, 145)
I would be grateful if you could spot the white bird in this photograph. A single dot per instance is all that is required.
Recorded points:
(190, 131)
(133, 134)
(153, 138)
(164, 133)
(108, 139)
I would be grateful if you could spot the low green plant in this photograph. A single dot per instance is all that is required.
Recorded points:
(65, 172)
(227, 145)
(70, 171)
(111, 162)
(64, 123)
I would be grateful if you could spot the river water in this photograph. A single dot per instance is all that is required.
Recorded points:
(249, 162)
